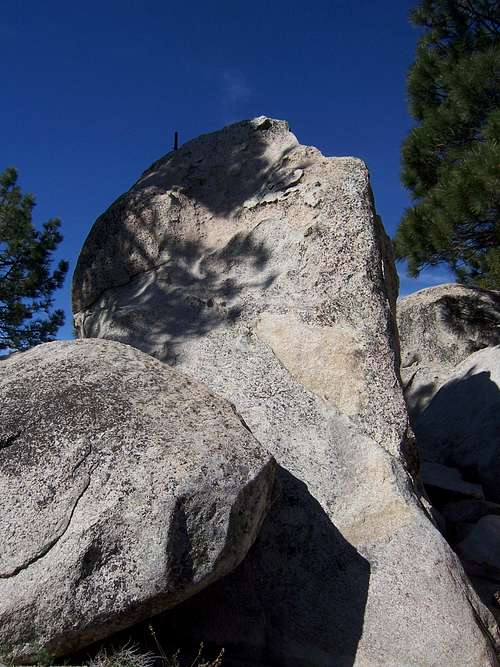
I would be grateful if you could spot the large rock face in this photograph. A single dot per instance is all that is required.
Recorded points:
(439, 327)
(125, 487)
(259, 266)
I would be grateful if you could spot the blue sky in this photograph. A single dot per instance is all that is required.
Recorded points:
(92, 92)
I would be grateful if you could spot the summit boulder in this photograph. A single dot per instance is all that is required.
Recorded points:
(260, 267)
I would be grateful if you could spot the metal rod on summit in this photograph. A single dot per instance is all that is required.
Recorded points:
(176, 141)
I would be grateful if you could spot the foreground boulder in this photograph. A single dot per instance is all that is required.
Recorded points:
(125, 488)
(260, 267)
(440, 327)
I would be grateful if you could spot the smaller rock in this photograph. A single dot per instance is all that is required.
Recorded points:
(463, 530)
(469, 510)
(460, 427)
(439, 327)
(481, 548)
(125, 488)
(448, 480)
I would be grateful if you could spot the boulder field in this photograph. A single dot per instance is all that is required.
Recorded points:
(260, 267)
(292, 529)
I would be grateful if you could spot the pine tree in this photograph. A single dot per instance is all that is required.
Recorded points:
(27, 283)
(451, 159)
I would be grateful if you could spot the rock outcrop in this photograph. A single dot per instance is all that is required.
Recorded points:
(455, 399)
(125, 487)
(440, 327)
(259, 266)
(461, 428)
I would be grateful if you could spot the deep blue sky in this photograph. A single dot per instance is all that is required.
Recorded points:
(92, 92)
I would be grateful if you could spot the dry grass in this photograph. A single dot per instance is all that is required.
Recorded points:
(127, 656)
(131, 656)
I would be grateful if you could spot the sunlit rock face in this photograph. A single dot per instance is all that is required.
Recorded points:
(259, 266)
(439, 327)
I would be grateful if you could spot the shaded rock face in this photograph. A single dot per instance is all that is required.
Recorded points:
(258, 266)
(439, 327)
(461, 425)
(125, 487)
(451, 370)
(481, 547)
(448, 481)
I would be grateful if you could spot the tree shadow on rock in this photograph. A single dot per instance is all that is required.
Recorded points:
(195, 290)
(214, 176)
(223, 170)
(298, 598)
(475, 317)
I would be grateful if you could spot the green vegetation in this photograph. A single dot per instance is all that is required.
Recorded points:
(27, 283)
(451, 159)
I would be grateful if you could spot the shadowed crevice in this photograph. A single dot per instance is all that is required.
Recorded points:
(297, 599)
(301, 582)
(461, 428)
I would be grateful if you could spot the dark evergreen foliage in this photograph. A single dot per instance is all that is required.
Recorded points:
(26, 280)
(451, 159)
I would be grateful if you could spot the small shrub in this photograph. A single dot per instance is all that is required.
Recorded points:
(174, 660)
(131, 655)
(127, 656)
(43, 659)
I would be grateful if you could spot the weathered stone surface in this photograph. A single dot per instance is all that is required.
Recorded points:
(219, 234)
(489, 592)
(259, 266)
(461, 425)
(439, 327)
(125, 487)
(481, 547)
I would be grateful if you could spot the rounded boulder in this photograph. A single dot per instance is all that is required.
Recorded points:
(125, 488)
